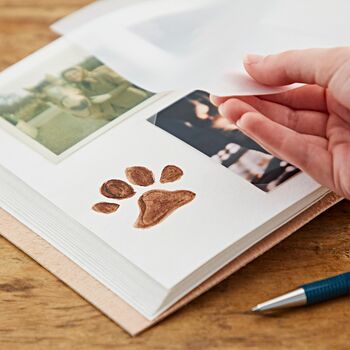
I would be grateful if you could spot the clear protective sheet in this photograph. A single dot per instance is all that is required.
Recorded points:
(164, 45)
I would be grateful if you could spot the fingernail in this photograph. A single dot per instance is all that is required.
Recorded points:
(212, 98)
(221, 109)
(239, 123)
(253, 59)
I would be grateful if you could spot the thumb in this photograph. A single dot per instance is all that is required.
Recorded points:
(329, 68)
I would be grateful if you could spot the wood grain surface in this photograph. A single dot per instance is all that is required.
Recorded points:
(37, 311)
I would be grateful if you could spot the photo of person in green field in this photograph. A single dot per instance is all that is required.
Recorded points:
(63, 109)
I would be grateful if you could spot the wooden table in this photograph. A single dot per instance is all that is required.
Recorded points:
(37, 311)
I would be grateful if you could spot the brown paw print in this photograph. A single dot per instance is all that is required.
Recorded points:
(155, 205)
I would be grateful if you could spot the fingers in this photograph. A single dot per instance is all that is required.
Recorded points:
(308, 97)
(286, 144)
(328, 68)
(311, 66)
(234, 108)
(305, 122)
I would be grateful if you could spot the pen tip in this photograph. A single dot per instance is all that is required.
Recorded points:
(255, 309)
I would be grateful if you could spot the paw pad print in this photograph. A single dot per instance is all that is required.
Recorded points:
(154, 205)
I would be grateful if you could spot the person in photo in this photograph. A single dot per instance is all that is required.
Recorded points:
(108, 93)
(67, 106)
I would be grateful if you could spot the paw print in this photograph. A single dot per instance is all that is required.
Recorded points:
(155, 205)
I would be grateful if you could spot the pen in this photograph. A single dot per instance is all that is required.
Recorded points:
(311, 293)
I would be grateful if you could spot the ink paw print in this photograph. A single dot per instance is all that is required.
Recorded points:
(154, 205)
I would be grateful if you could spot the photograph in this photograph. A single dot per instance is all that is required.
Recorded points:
(194, 120)
(61, 107)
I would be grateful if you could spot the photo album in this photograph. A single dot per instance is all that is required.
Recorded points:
(150, 193)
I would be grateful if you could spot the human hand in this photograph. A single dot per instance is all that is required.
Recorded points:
(101, 98)
(309, 126)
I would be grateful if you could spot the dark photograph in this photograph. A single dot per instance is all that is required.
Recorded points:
(197, 122)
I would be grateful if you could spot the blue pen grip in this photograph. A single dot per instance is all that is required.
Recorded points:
(327, 289)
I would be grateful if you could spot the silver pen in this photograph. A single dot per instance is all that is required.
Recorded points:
(311, 293)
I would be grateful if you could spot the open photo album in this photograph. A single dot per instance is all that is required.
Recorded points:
(151, 194)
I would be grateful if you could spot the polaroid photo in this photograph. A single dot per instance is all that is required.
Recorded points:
(61, 98)
(194, 120)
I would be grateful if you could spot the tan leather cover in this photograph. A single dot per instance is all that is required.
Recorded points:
(109, 303)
